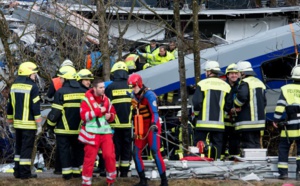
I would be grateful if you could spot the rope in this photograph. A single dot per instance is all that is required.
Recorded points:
(180, 146)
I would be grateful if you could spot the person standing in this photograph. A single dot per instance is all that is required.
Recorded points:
(96, 111)
(145, 101)
(24, 117)
(117, 93)
(209, 105)
(230, 135)
(289, 102)
(173, 49)
(250, 101)
(133, 61)
(65, 118)
(84, 77)
(152, 48)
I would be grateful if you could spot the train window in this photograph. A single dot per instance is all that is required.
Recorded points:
(278, 69)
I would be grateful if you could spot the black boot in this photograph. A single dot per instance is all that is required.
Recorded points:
(143, 179)
(164, 180)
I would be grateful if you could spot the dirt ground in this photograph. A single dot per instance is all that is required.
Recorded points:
(49, 179)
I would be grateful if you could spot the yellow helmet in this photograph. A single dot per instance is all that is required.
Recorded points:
(67, 72)
(231, 68)
(147, 65)
(120, 65)
(84, 74)
(27, 68)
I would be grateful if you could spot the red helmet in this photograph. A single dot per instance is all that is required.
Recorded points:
(135, 80)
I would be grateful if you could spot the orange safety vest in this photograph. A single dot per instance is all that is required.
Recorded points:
(57, 83)
(88, 62)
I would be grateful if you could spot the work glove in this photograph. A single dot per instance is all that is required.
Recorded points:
(154, 127)
(39, 129)
(138, 52)
(11, 129)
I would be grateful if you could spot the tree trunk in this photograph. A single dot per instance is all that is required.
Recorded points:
(182, 76)
(103, 39)
(196, 48)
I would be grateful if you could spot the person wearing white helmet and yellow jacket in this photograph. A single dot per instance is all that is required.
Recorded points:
(209, 105)
(250, 102)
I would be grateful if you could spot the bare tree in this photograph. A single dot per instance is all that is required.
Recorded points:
(196, 41)
(182, 75)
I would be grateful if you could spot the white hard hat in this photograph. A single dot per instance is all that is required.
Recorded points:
(245, 67)
(179, 113)
(67, 62)
(296, 72)
(212, 66)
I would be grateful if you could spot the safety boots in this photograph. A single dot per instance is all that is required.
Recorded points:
(164, 180)
(143, 179)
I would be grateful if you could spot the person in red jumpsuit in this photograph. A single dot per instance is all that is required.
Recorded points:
(145, 101)
(96, 111)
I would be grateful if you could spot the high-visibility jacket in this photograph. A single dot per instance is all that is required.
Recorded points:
(157, 59)
(118, 92)
(252, 100)
(174, 52)
(65, 116)
(209, 102)
(150, 50)
(23, 106)
(130, 61)
(289, 102)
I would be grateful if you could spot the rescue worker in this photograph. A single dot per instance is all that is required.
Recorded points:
(173, 49)
(178, 134)
(84, 77)
(288, 102)
(209, 100)
(24, 117)
(65, 118)
(146, 65)
(132, 61)
(56, 82)
(250, 103)
(145, 101)
(96, 111)
(230, 135)
(117, 93)
(161, 57)
(152, 48)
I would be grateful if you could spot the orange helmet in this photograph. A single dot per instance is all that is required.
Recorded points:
(135, 80)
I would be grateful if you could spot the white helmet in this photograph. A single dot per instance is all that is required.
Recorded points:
(67, 62)
(213, 66)
(179, 113)
(296, 72)
(245, 67)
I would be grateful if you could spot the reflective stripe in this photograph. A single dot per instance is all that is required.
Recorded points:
(67, 170)
(76, 105)
(80, 138)
(17, 158)
(76, 170)
(291, 133)
(277, 116)
(238, 102)
(121, 125)
(63, 131)
(121, 100)
(73, 96)
(283, 165)
(19, 124)
(298, 158)
(51, 123)
(210, 126)
(25, 161)
(36, 99)
(250, 126)
(92, 136)
(283, 102)
(125, 163)
(25, 115)
(87, 118)
(59, 107)
(111, 175)
(294, 121)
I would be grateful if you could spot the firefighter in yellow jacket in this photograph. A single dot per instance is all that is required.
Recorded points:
(250, 101)
(209, 100)
(24, 117)
(65, 117)
(289, 102)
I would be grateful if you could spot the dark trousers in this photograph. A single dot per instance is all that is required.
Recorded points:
(24, 147)
(283, 155)
(231, 136)
(214, 137)
(57, 164)
(250, 139)
(123, 148)
(71, 153)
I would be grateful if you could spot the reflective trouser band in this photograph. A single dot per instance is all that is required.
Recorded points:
(67, 170)
(86, 180)
(283, 165)
(25, 161)
(17, 158)
(76, 170)
(125, 164)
